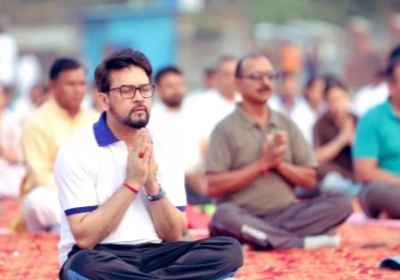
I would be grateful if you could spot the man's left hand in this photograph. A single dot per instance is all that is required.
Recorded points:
(280, 142)
(152, 186)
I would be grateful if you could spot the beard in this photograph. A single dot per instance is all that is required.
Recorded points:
(138, 123)
(173, 102)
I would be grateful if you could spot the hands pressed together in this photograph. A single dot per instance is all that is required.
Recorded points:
(347, 132)
(141, 167)
(273, 150)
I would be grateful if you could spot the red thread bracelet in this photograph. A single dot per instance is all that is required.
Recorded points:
(131, 188)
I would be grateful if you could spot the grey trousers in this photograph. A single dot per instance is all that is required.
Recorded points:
(380, 197)
(285, 228)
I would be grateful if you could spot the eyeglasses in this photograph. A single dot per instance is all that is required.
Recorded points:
(128, 92)
(258, 77)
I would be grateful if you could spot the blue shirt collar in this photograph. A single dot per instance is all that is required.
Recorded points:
(102, 132)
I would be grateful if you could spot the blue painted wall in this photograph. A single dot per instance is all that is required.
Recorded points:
(154, 34)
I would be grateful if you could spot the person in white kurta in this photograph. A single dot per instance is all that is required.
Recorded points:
(170, 122)
(12, 170)
(294, 106)
(206, 110)
(371, 95)
(8, 59)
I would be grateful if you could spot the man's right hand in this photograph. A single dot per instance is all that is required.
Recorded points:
(273, 151)
(137, 166)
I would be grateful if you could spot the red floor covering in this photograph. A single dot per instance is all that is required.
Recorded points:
(8, 211)
(31, 257)
(35, 257)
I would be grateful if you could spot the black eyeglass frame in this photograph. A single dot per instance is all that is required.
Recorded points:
(257, 77)
(135, 89)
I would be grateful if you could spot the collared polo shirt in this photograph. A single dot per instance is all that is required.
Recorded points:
(377, 137)
(89, 169)
(238, 140)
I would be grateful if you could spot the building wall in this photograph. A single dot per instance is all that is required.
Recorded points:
(152, 35)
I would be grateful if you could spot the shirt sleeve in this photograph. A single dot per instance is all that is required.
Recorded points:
(75, 183)
(38, 157)
(366, 144)
(219, 156)
(302, 153)
(171, 177)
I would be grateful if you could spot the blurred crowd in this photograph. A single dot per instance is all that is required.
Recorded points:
(352, 138)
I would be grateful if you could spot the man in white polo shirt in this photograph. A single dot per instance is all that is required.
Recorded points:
(123, 202)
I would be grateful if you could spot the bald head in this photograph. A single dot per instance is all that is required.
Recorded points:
(245, 60)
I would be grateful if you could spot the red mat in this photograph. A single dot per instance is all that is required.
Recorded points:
(8, 212)
(35, 257)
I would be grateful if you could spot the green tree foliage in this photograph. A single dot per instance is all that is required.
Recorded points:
(335, 11)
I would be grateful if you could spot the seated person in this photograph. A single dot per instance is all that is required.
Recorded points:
(171, 90)
(24, 107)
(12, 170)
(123, 213)
(256, 158)
(376, 153)
(314, 95)
(293, 105)
(334, 134)
(220, 101)
(42, 135)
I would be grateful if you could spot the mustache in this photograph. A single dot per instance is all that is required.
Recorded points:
(141, 106)
(264, 88)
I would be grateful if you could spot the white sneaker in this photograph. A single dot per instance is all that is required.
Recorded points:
(321, 241)
(246, 247)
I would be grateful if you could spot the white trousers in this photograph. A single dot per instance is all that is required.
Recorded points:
(42, 209)
(10, 180)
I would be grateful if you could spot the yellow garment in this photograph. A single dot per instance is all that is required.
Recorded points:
(42, 135)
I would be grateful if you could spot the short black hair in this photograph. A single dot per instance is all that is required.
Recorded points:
(239, 66)
(63, 64)
(394, 54)
(380, 73)
(210, 70)
(166, 70)
(311, 80)
(333, 82)
(118, 60)
(391, 68)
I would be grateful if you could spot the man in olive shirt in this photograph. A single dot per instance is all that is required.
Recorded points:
(256, 158)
